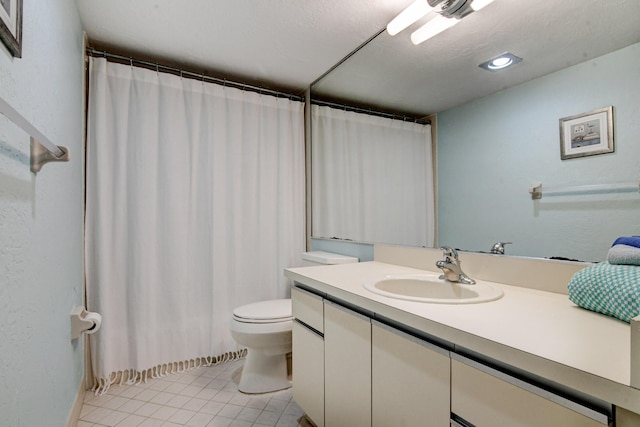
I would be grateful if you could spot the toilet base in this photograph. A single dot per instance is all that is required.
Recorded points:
(264, 373)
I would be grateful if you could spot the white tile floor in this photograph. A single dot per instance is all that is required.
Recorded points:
(203, 397)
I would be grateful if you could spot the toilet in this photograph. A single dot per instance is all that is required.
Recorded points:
(264, 328)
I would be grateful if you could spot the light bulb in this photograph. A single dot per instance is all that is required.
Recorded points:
(476, 5)
(411, 14)
(501, 62)
(431, 28)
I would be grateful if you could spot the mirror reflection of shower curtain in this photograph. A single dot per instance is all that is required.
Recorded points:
(195, 205)
(372, 178)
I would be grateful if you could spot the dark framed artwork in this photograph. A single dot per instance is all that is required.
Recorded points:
(11, 26)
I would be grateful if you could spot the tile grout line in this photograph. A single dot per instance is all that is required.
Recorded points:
(220, 406)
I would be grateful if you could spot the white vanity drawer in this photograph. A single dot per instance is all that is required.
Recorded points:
(308, 308)
(484, 396)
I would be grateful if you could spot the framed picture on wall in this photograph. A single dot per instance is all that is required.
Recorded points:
(587, 134)
(11, 26)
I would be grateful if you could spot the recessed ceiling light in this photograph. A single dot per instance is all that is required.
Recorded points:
(500, 62)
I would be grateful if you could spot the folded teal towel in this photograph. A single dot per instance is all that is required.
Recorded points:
(624, 254)
(613, 290)
(628, 240)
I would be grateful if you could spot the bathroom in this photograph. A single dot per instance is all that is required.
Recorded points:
(43, 214)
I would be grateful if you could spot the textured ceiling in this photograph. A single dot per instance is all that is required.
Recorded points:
(288, 44)
(275, 43)
(443, 72)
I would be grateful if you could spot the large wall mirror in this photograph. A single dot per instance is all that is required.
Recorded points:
(498, 133)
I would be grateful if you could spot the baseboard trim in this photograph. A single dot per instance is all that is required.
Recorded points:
(74, 415)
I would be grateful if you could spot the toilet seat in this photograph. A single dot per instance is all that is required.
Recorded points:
(271, 311)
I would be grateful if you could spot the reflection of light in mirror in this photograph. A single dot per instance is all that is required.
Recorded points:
(411, 14)
(432, 28)
(498, 63)
(479, 4)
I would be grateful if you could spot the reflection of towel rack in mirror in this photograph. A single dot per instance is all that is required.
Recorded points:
(42, 149)
(536, 189)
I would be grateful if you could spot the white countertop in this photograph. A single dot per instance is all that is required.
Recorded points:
(541, 332)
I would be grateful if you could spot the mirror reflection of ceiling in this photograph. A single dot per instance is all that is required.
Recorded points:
(392, 74)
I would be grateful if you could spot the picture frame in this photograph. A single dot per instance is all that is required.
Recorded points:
(587, 134)
(11, 26)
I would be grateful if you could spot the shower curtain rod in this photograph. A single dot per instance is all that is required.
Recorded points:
(371, 112)
(189, 74)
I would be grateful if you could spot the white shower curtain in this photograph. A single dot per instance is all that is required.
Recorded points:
(195, 205)
(372, 178)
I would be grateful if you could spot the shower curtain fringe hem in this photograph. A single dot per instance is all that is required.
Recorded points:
(101, 385)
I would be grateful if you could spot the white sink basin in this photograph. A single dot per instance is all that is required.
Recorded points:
(430, 288)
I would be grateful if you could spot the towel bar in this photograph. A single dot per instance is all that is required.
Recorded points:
(42, 149)
(536, 189)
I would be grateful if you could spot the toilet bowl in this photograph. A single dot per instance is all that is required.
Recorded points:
(264, 328)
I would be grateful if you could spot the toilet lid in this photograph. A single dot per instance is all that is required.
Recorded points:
(272, 310)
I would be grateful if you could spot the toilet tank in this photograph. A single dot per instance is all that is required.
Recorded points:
(325, 258)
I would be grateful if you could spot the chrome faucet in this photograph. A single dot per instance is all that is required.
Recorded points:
(450, 266)
(498, 248)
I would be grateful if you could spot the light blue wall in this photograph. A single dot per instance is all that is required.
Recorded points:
(41, 261)
(491, 150)
(362, 251)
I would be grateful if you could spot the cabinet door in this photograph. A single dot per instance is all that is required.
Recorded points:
(410, 380)
(626, 418)
(308, 308)
(485, 400)
(308, 372)
(347, 363)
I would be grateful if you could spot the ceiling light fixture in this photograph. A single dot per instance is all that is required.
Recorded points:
(431, 28)
(449, 13)
(500, 62)
(411, 14)
(476, 5)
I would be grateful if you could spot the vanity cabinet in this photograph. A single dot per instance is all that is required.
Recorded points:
(347, 362)
(350, 369)
(410, 380)
(308, 350)
(483, 397)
